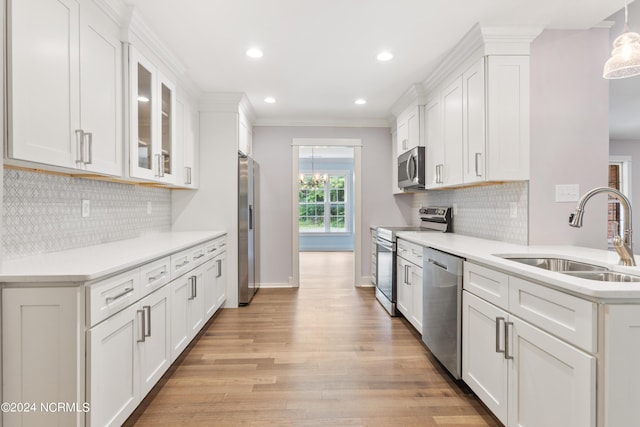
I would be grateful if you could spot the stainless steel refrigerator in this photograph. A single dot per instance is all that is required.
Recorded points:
(247, 228)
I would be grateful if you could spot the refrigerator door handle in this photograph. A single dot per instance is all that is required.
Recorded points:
(250, 217)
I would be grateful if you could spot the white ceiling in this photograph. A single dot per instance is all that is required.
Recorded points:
(319, 56)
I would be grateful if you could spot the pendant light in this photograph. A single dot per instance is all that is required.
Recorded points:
(625, 56)
(316, 180)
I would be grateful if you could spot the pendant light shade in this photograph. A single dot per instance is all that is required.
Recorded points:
(625, 56)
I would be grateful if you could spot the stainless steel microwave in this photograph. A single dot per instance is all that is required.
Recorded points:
(411, 167)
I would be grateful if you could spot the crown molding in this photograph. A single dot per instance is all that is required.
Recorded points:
(481, 41)
(415, 95)
(221, 102)
(329, 122)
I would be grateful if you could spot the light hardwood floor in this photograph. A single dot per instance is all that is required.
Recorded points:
(325, 354)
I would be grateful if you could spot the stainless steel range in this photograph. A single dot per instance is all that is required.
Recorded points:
(437, 219)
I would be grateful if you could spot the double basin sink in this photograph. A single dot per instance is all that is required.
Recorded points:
(575, 268)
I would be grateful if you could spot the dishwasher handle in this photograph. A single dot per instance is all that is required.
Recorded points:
(437, 264)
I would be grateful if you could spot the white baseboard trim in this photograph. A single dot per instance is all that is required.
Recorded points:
(365, 282)
(275, 285)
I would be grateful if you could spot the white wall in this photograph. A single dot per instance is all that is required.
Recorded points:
(632, 149)
(272, 149)
(215, 205)
(569, 134)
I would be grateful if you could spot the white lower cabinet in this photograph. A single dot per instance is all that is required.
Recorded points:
(409, 288)
(523, 374)
(127, 355)
(215, 285)
(100, 347)
(409, 282)
(42, 354)
(113, 368)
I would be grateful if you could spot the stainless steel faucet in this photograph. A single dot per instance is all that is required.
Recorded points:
(624, 246)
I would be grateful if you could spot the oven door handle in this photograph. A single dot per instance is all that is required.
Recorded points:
(384, 243)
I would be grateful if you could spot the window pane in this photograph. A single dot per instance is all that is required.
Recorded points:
(333, 195)
(340, 195)
(320, 195)
(320, 210)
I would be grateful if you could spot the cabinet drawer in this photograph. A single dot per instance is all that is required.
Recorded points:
(490, 285)
(568, 317)
(410, 251)
(213, 248)
(186, 260)
(154, 275)
(109, 296)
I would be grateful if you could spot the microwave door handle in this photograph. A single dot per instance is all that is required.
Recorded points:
(409, 177)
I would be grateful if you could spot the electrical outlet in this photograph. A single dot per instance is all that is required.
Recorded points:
(513, 210)
(149, 209)
(86, 208)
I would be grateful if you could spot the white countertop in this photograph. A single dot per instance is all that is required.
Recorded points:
(93, 262)
(484, 251)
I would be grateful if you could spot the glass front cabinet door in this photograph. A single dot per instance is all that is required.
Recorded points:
(152, 139)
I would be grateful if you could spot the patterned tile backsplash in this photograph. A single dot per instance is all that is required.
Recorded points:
(42, 213)
(484, 211)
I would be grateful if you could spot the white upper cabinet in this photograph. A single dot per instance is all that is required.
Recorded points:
(473, 124)
(245, 135)
(187, 144)
(152, 141)
(507, 117)
(408, 130)
(65, 105)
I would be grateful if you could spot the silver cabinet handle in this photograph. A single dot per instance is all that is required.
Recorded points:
(193, 281)
(187, 173)
(120, 295)
(147, 310)
(190, 280)
(79, 146)
(182, 264)
(198, 256)
(142, 323)
(499, 320)
(212, 250)
(160, 165)
(406, 275)
(89, 147)
(219, 262)
(507, 345)
(416, 254)
(478, 164)
(158, 276)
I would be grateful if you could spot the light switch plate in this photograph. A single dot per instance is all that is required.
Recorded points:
(86, 208)
(567, 192)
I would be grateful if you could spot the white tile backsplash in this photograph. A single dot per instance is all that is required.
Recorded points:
(484, 211)
(42, 212)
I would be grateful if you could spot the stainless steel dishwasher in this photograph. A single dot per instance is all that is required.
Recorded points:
(442, 308)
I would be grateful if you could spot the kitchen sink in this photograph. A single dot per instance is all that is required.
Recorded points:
(573, 268)
(604, 276)
(560, 265)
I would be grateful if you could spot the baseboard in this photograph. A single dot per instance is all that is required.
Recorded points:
(365, 282)
(275, 285)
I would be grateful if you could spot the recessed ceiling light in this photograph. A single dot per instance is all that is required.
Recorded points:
(270, 100)
(384, 56)
(254, 52)
(360, 101)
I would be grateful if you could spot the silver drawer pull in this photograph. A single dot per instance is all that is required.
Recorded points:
(120, 295)
(223, 244)
(199, 256)
(158, 276)
(183, 264)
(212, 250)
